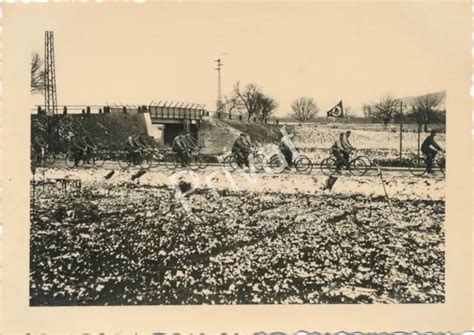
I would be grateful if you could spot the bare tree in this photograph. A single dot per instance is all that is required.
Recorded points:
(231, 104)
(37, 74)
(266, 105)
(255, 102)
(385, 109)
(425, 108)
(304, 109)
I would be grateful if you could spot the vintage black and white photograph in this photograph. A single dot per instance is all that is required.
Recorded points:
(239, 154)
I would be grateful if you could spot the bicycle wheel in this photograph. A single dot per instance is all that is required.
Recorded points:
(144, 161)
(328, 166)
(70, 161)
(259, 162)
(154, 159)
(99, 160)
(203, 163)
(194, 162)
(358, 167)
(442, 165)
(123, 161)
(171, 161)
(276, 164)
(49, 159)
(87, 161)
(367, 160)
(230, 163)
(417, 166)
(303, 165)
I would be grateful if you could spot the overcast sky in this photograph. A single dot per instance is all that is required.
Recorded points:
(135, 53)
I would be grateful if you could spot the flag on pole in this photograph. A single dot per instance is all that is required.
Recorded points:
(336, 111)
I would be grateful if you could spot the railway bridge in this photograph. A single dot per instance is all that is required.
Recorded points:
(166, 122)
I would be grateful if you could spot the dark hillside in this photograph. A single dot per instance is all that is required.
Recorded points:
(107, 130)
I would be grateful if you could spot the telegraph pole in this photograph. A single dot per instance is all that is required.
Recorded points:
(419, 130)
(219, 89)
(401, 129)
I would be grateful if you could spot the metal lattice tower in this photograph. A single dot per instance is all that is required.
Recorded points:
(50, 97)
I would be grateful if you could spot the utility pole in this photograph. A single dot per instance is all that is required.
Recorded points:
(219, 91)
(50, 96)
(401, 129)
(419, 130)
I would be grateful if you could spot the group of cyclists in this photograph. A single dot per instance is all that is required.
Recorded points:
(184, 145)
(243, 146)
(82, 148)
(341, 150)
(135, 146)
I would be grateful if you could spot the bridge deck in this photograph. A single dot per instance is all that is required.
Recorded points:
(176, 113)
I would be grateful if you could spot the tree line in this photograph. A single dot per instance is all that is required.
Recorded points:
(423, 110)
(252, 102)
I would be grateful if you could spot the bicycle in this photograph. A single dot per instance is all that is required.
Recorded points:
(302, 163)
(152, 156)
(230, 162)
(99, 158)
(357, 166)
(367, 161)
(418, 166)
(195, 160)
(127, 159)
(256, 160)
(87, 159)
(170, 158)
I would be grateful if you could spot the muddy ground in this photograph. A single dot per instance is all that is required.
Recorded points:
(271, 239)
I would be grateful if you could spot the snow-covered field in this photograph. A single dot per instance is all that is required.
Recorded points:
(311, 136)
(397, 184)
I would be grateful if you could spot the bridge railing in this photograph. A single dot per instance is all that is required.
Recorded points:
(156, 112)
(159, 112)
